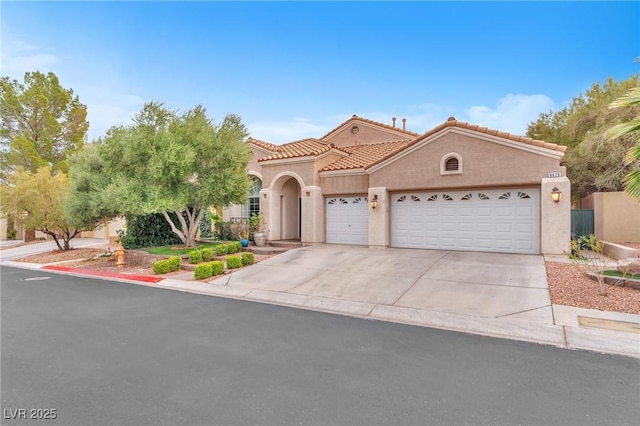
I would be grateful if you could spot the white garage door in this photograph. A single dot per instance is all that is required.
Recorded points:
(505, 220)
(347, 220)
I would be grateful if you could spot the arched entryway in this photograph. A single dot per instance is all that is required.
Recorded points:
(285, 213)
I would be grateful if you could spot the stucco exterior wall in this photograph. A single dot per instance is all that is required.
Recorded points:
(345, 184)
(367, 134)
(484, 163)
(304, 169)
(616, 216)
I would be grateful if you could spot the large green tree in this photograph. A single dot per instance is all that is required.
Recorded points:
(42, 123)
(36, 201)
(594, 161)
(163, 162)
(630, 129)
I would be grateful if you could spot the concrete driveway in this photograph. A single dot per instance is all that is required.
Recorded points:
(480, 284)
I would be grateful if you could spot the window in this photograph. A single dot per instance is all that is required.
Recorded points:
(253, 202)
(451, 164)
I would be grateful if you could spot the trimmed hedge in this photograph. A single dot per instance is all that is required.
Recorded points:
(174, 263)
(221, 249)
(203, 271)
(195, 257)
(217, 267)
(234, 247)
(234, 262)
(247, 258)
(161, 266)
(206, 254)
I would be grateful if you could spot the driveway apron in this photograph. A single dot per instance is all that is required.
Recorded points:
(490, 285)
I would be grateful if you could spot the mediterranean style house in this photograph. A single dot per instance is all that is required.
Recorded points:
(456, 187)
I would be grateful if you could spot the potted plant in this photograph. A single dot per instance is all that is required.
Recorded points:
(241, 231)
(257, 228)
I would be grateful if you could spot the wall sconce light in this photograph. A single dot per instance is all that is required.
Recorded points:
(374, 201)
(556, 195)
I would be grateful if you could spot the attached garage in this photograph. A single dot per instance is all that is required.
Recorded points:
(347, 220)
(492, 220)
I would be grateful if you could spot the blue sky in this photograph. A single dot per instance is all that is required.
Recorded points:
(298, 69)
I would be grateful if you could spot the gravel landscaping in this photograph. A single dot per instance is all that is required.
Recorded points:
(568, 285)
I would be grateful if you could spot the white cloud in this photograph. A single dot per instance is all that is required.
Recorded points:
(512, 113)
(18, 57)
(286, 130)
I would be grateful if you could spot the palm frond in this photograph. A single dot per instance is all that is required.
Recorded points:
(632, 97)
(632, 184)
(624, 129)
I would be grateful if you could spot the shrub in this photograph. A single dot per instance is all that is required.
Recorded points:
(247, 258)
(223, 231)
(11, 234)
(174, 263)
(202, 271)
(150, 230)
(221, 250)
(195, 257)
(234, 262)
(205, 226)
(234, 247)
(207, 254)
(217, 267)
(161, 266)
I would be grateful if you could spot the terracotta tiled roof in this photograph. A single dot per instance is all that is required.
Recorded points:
(264, 145)
(452, 122)
(363, 155)
(301, 148)
(377, 123)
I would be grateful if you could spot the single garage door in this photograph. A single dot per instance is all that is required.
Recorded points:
(504, 220)
(347, 220)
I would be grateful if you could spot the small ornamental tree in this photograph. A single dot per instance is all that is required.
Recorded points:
(165, 162)
(36, 200)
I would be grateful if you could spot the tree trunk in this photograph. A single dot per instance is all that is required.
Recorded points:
(189, 230)
(174, 228)
(29, 235)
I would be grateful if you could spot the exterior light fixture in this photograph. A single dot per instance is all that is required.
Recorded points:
(374, 201)
(556, 195)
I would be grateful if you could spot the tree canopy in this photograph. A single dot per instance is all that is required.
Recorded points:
(163, 162)
(42, 123)
(594, 161)
(36, 200)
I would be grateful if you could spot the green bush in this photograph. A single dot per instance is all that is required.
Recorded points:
(195, 257)
(202, 271)
(217, 267)
(207, 254)
(234, 247)
(234, 262)
(11, 234)
(161, 266)
(174, 263)
(247, 258)
(223, 231)
(205, 226)
(150, 230)
(221, 249)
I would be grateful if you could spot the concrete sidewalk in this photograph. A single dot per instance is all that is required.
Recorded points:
(416, 294)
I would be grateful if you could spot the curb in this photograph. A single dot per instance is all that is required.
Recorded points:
(558, 335)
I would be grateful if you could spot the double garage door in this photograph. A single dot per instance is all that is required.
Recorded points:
(505, 220)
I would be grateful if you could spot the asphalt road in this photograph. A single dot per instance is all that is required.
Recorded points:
(108, 353)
